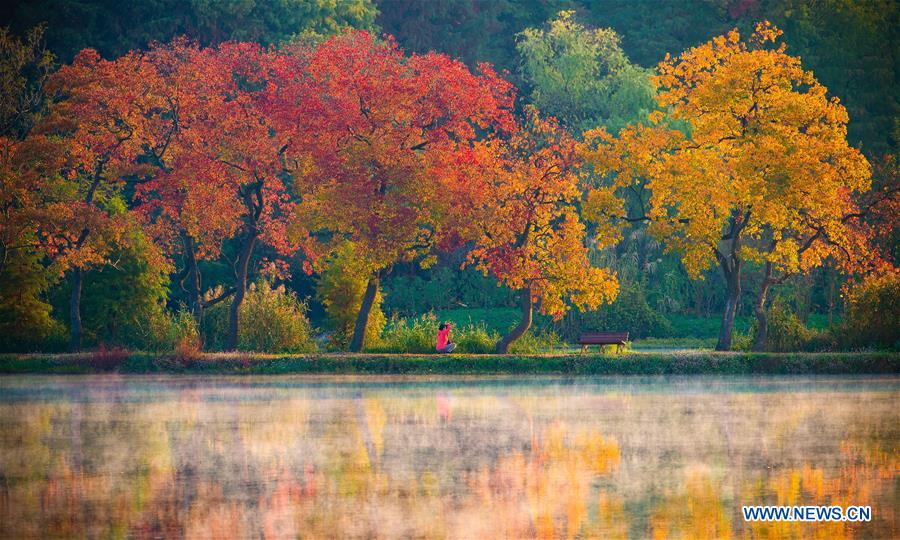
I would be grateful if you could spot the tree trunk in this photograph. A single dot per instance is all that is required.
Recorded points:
(762, 323)
(733, 296)
(77, 278)
(698, 299)
(830, 281)
(762, 326)
(362, 319)
(240, 289)
(193, 276)
(523, 326)
(76, 330)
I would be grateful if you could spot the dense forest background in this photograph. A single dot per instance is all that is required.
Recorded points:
(851, 46)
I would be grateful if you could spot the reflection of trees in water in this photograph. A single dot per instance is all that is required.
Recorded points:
(864, 474)
(546, 492)
(460, 465)
(694, 511)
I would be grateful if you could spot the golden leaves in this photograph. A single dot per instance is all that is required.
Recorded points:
(531, 234)
(766, 150)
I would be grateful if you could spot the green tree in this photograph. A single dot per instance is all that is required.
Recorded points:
(582, 77)
(853, 48)
(26, 321)
(472, 30)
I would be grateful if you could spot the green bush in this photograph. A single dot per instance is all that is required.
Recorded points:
(340, 287)
(272, 320)
(786, 332)
(873, 313)
(536, 342)
(475, 339)
(741, 341)
(630, 312)
(168, 331)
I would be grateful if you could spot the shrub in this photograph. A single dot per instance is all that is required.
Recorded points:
(630, 312)
(873, 312)
(475, 339)
(340, 288)
(163, 330)
(187, 349)
(786, 332)
(536, 341)
(272, 320)
(741, 341)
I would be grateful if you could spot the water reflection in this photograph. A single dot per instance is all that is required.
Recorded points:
(485, 458)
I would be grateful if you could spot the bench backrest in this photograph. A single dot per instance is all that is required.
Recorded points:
(605, 337)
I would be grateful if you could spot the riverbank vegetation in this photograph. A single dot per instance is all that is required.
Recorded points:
(638, 363)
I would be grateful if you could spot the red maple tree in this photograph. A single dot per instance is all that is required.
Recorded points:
(386, 132)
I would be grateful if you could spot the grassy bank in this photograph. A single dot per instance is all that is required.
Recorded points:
(638, 363)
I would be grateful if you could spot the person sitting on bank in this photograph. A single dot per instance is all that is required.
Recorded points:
(444, 345)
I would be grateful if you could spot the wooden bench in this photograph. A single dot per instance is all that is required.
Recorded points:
(603, 338)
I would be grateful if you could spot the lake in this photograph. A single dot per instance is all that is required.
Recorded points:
(451, 457)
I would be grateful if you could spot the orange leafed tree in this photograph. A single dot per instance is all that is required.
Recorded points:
(530, 236)
(759, 172)
(386, 130)
(225, 178)
(101, 116)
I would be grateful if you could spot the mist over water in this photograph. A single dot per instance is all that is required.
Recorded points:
(453, 457)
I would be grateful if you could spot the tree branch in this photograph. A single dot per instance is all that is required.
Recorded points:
(213, 301)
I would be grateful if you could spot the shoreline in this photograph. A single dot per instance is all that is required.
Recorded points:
(633, 363)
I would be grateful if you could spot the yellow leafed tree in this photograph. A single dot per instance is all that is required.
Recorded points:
(748, 163)
(530, 235)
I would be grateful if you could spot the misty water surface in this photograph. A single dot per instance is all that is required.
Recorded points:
(286, 457)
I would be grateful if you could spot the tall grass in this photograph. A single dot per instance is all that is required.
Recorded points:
(417, 336)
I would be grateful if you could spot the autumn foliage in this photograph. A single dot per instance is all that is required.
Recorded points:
(388, 132)
(746, 161)
(530, 235)
(244, 158)
(225, 177)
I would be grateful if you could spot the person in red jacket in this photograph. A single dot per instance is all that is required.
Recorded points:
(443, 344)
